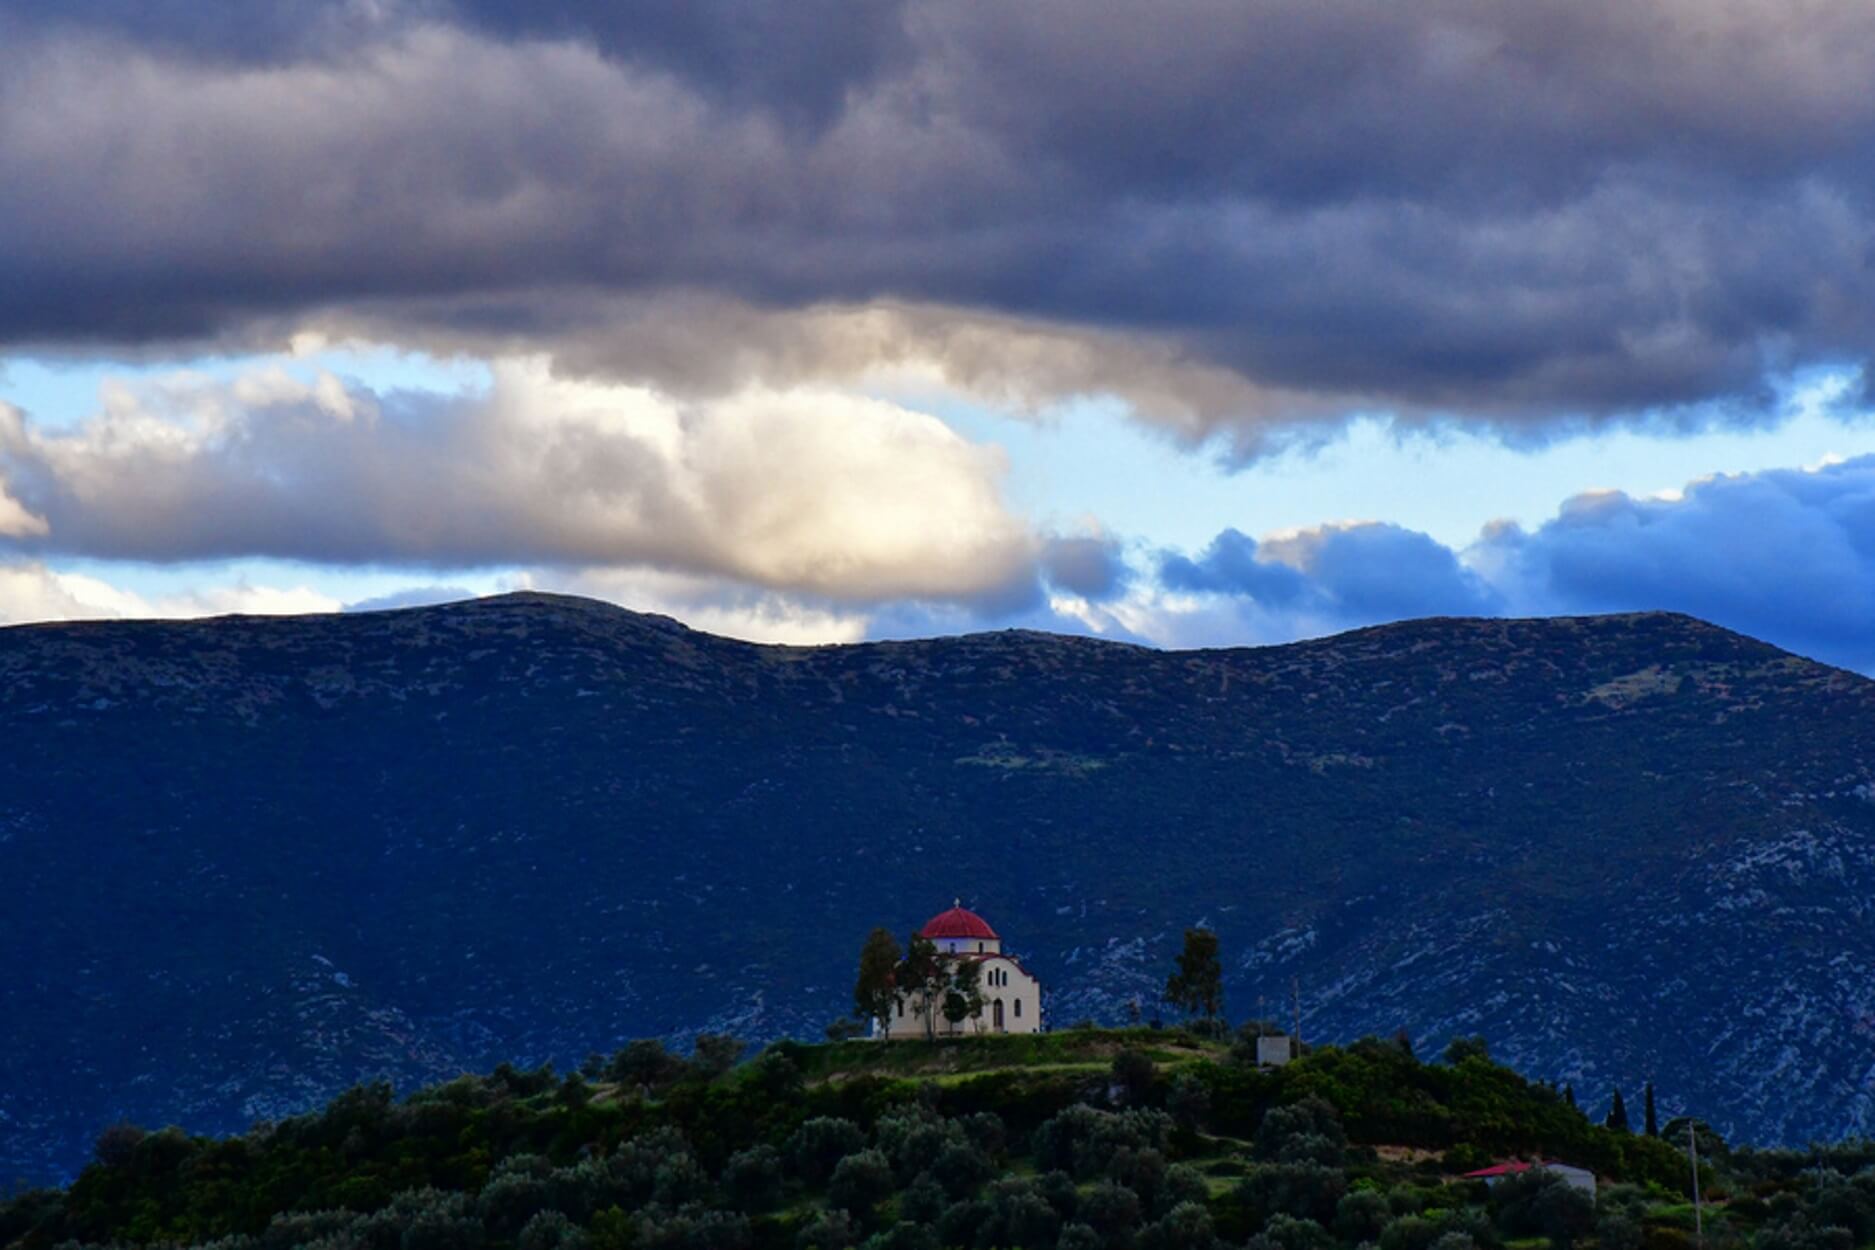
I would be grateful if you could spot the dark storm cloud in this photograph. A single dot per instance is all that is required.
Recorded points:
(798, 58)
(1539, 212)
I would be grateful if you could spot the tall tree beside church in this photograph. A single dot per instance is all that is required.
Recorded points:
(873, 994)
(922, 978)
(963, 997)
(1196, 986)
(1618, 1114)
(1650, 1120)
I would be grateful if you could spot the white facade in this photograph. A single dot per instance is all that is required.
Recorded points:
(1012, 997)
(1272, 1050)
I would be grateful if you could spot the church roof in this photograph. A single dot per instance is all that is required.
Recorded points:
(958, 922)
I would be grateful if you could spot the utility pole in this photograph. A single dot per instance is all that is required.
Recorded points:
(1295, 1007)
(1692, 1152)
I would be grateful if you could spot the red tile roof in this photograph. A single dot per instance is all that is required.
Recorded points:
(957, 923)
(1510, 1168)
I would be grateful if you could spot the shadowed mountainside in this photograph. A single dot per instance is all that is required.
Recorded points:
(248, 861)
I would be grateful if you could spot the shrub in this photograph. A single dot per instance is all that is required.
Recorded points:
(776, 1074)
(1466, 1157)
(690, 1230)
(713, 1055)
(444, 1227)
(819, 1145)
(1309, 1130)
(845, 1029)
(644, 1063)
(832, 1229)
(1111, 1210)
(306, 1228)
(1361, 1216)
(1564, 1214)
(1182, 1183)
(1058, 1188)
(904, 1236)
(1185, 1227)
(752, 1179)
(1078, 1237)
(986, 1132)
(1082, 1140)
(1142, 1171)
(1801, 1234)
(1133, 1073)
(960, 1168)
(1459, 1049)
(1616, 1231)
(680, 1179)
(116, 1144)
(512, 1198)
(1188, 1101)
(1286, 1232)
(923, 1201)
(959, 1224)
(1018, 1216)
(1304, 1190)
(860, 1181)
(637, 1167)
(550, 1230)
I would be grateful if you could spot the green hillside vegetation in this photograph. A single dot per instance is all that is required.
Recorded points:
(1083, 1139)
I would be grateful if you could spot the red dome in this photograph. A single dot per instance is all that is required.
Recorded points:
(957, 923)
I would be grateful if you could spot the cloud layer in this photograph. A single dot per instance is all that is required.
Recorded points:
(621, 495)
(1533, 213)
(820, 494)
(1785, 555)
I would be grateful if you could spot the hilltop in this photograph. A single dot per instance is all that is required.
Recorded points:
(1081, 1140)
(251, 861)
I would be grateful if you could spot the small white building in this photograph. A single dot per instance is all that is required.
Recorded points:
(1273, 1050)
(1581, 1178)
(1012, 997)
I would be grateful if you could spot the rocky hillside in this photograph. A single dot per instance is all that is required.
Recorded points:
(248, 861)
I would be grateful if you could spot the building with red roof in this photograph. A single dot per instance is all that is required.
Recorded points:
(1012, 996)
(1581, 1178)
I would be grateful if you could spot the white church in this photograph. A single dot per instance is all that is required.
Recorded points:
(1012, 997)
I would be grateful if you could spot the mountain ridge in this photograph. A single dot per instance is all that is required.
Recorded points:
(293, 852)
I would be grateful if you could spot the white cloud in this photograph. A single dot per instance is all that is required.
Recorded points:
(810, 492)
(31, 591)
(710, 605)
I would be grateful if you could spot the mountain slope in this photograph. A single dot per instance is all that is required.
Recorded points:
(249, 860)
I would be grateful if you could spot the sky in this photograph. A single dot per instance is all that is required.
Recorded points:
(1196, 323)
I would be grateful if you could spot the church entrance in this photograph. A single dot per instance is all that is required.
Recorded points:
(996, 1015)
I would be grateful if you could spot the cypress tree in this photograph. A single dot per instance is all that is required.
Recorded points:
(1569, 1094)
(1197, 986)
(1653, 1124)
(1618, 1114)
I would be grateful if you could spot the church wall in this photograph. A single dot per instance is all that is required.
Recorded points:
(1017, 990)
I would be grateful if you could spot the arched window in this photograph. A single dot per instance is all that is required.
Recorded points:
(1018, 1009)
